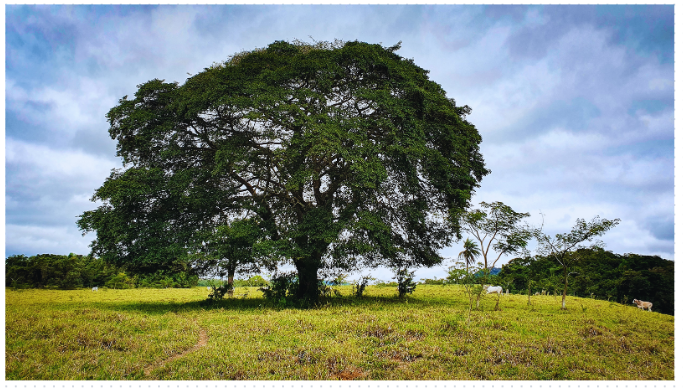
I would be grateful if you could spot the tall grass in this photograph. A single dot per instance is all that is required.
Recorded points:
(117, 334)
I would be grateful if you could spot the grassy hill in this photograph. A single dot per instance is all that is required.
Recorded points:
(173, 334)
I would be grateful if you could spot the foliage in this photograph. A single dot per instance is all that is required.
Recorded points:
(436, 282)
(360, 285)
(406, 285)
(57, 271)
(167, 279)
(77, 271)
(470, 254)
(340, 280)
(381, 283)
(118, 334)
(461, 273)
(562, 247)
(229, 248)
(254, 281)
(281, 289)
(219, 291)
(497, 228)
(620, 278)
(345, 155)
(120, 281)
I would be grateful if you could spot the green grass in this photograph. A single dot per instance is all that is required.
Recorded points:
(118, 334)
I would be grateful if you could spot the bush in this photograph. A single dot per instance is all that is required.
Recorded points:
(386, 284)
(323, 289)
(57, 271)
(340, 280)
(406, 285)
(120, 281)
(217, 293)
(256, 281)
(439, 282)
(359, 286)
(164, 279)
(282, 288)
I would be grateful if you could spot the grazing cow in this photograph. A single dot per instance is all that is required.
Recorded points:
(496, 289)
(643, 305)
(94, 288)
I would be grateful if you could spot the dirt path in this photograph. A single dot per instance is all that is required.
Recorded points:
(203, 339)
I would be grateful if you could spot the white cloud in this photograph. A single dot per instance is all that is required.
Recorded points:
(567, 163)
(33, 240)
(43, 162)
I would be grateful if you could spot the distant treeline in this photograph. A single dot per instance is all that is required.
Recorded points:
(598, 274)
(78, 271)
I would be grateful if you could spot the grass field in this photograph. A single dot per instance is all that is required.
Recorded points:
(173, 334)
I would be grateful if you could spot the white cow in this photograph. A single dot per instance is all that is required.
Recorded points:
(94, 288)
(643, 305)
(496, 289)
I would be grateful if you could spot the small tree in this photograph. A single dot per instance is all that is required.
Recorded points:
(470, 254)
(360, 284)
(472, 289)
(457, 273)
(563, 246)
(498, 229)
(229, 247)
(406, 285)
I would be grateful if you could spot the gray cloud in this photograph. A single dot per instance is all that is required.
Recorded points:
(575, 104)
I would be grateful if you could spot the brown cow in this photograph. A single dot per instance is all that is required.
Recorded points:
(643, 305)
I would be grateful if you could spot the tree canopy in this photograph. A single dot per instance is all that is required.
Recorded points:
(563, 245)
(343, 153)
(499, 229)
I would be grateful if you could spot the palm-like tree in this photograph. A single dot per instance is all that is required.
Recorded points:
(470, 253)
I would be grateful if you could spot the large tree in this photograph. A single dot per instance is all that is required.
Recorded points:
(345, 153)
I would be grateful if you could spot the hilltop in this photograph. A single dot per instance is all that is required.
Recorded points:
(175, 334)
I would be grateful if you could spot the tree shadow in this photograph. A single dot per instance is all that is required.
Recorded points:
(253, 304)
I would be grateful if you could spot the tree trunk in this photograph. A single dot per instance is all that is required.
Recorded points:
(307, 271)
(529, 287)
(564, 294)
(231, 277)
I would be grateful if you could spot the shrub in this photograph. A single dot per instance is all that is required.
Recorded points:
(386, 284)
(340, 280)
(440, 282)
(120, 281)
(217, 293)
(359, 286)
(257, 281)
(323, 289)
(281, 288)
(164, 279)
(406, 285)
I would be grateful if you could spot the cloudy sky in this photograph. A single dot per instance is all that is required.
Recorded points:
(575, 104)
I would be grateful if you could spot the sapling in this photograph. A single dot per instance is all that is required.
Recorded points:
(406, 285)
(359, 286)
